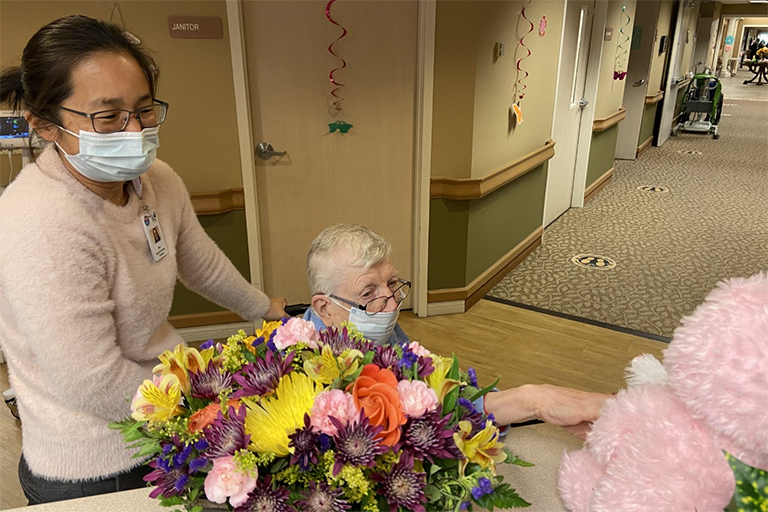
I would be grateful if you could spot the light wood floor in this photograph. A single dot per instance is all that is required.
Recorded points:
(517, 345)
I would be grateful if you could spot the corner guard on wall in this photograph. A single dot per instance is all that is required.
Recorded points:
(482, 284)
(216, 203)
(654, 98)
(603, 123)
(642, 147)
(475, 188)
(598, 185)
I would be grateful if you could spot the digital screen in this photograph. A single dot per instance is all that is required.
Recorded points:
(13, 128)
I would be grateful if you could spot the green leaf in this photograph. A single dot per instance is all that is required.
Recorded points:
(249, 356)
(502, 497)
(368, 359)
(279, 464)
(514, 459)
(751, 485)
(485, 390)
(449, 402)
(433, 493)
(171, 501)
(197, 508)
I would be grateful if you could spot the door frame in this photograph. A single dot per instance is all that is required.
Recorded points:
(671, 87)
(427, 12)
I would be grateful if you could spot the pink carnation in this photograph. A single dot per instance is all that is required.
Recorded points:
(294, 331)
(418, 349)
(226, 481)
(336, 403)
(416, 398)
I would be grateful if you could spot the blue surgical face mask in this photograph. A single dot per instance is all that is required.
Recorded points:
(113, 157)
(377, 327)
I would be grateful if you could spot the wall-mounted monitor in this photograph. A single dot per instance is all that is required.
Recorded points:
(14, 130)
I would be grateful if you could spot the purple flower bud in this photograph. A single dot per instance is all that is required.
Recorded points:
(207, 344)
(181, 483)
(198, 464)
(485, 484)
(477, 493)
(472, 377)
(201, 445)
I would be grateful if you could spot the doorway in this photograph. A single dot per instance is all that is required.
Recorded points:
(363, 176)
(569, 107)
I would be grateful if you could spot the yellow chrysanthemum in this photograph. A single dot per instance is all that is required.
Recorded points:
(483, 448)
(270, 421)
(437, 379)
(158, 401)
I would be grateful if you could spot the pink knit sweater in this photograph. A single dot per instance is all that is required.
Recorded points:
(83, 308)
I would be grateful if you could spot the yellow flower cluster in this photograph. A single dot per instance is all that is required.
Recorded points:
(326, 368)
(483, 449)
(246, 462)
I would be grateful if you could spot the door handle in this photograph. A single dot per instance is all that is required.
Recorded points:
(265, 151)
(583, 103)
(639, 83)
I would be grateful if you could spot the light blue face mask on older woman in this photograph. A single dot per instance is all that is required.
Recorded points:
(113, 157)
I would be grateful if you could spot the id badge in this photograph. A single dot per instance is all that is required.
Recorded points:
(154, 234)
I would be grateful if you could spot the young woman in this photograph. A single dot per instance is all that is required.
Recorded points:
(85, 284)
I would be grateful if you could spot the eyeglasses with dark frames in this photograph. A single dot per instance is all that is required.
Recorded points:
(378, 304)
(116, 120)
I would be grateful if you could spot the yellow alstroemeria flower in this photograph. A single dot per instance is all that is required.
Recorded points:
(437, 379)
(483, 448)
(271, 420)
(325, 368)
(267, 328)
(182, 361)
(158, 400)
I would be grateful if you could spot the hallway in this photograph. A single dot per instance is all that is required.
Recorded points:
(671, 247)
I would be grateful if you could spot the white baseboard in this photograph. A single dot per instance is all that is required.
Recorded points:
(212, 332)
(448, 307)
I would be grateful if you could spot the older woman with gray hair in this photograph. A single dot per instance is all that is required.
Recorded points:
(352, 279)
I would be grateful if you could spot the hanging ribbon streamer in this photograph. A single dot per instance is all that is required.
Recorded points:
(620, 62)
(339, 85)
(519, 93)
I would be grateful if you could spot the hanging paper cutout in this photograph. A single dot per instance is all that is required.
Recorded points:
(521, 74)
(620, 62)
(342, 126)
(543, 26)
(339, 85)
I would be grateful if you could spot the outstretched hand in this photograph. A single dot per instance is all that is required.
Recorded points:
(276, 309)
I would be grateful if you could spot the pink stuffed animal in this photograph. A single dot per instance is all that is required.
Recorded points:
(658, 445)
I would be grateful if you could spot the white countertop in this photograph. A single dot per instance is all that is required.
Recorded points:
(542, 445)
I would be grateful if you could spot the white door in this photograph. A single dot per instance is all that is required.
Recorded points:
(364, 176)
(638, 69)
(568, 107)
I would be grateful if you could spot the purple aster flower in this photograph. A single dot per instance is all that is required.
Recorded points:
(386, 356)
(208, 383)
(263, 498)
(207, 344)
(226, 435)
(472, 377)
(356, 443)
(429, 437)
(339, 340)
(321, 498)
(304, 444)
(262, 377)
(403, 487)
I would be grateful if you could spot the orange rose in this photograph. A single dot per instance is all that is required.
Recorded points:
(375, 392)
(207, 414)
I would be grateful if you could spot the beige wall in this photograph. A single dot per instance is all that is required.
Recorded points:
(610, 92)
(472, 134)
(657, 60)
(199, 139)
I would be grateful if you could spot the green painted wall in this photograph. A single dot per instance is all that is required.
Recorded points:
(468, 237)
(229, 232)
(601, 153)
(649, 118)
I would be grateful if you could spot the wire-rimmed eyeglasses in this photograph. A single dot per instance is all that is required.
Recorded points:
(378, 304)
(115, 120)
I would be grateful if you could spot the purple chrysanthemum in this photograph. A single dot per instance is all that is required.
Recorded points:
(402, 486)
(262, 377)
(425, 367)
(429, 436)
(208, 383)
(356, 443)
(321, 498)
(339, 340)
(226, 435)
(386, 357)
(263, 498)
(468, 412)
(168, 481)
(305, 445)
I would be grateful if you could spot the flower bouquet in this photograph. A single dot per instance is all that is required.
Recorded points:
(292, 419)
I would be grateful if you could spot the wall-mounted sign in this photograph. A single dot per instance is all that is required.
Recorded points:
(195, 27)
(608, 34)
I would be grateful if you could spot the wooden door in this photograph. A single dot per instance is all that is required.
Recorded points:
(569, 107)
(364, 176)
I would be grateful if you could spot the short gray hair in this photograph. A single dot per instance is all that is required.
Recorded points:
(364, 246)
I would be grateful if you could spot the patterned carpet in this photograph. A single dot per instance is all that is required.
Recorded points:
(670, 248)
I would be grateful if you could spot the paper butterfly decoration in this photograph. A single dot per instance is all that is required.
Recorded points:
(543, 26)
(518, 113)
(342, 126)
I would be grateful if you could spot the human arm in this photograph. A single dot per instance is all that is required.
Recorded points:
(571, 409)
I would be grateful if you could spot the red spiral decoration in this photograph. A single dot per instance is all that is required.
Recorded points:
(520, 93)
(339, 85)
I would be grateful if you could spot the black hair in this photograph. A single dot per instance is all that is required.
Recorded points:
(43, 81)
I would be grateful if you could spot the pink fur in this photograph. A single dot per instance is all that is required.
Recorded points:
(658, 447)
